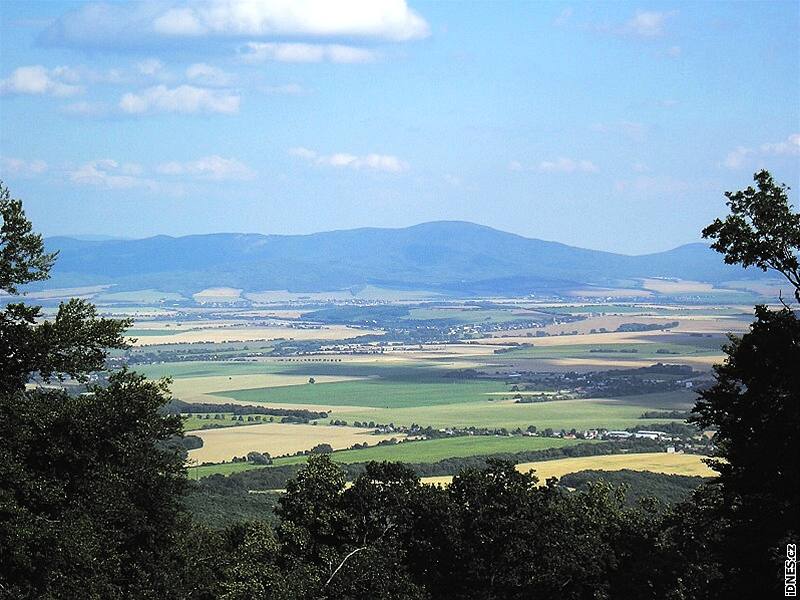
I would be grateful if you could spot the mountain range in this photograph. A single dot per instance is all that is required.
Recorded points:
(447, 256)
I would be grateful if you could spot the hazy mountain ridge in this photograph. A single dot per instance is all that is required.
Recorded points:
(449, 256)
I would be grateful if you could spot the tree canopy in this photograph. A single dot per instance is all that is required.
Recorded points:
(761, 230)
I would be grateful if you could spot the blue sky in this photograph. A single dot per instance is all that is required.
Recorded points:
(614, 126)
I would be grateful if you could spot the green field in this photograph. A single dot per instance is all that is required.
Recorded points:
(374, 393)
(436, 450)
(468, 315)
(411, 452)
(137, 333)
(612, 351)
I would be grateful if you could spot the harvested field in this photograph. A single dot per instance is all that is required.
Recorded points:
(277, 439)
(250, 334)
(656, 462)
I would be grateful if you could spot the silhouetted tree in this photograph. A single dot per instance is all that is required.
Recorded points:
(762, 230)
(90, 485)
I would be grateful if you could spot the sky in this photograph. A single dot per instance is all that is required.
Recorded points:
(611, 125)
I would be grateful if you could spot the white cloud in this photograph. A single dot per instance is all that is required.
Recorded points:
(647, 23)
(377, 162)
(206, 74)
(643, 24)
(213, 167)
(742, 156)
(110, 174)
(22, 167)
(256, 52)
(736, 158)
(150, 66)
(567, 165)
(139, 24)
(383, 19)
(38, 80)
(789, 147)
(182, 99)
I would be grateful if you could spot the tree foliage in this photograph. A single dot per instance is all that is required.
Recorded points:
(762, 230)
(90, 484)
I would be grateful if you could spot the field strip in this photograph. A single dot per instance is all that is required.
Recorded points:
(655, 462)
(277, 439)
(614, 363)
(187, 387)
(251, 334)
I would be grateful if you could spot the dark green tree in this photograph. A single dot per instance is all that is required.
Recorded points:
(90, 485)
(754, 406)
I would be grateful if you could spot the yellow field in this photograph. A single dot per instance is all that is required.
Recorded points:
(661, 462)
(277, 439)
(679, 286)
(217, 294)
(249, 334)
(604, 293)
(701, 323)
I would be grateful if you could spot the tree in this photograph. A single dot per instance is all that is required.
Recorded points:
(754, 406)
(75, 343)
(90, 484)
(762, 230)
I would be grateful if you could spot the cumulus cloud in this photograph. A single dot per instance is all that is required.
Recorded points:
(647, 23)
(742, 156)
(735, 159)
(213, 167)
(110, 174)
(37, 80)
(385, 19)
(789, 147)
(643, 24)
(22, 167)
(559, 165)
(377, 162)
(181, 99)
(206, 74)
(567, 165)
(257, 52)
(139, 24)
(150, 66)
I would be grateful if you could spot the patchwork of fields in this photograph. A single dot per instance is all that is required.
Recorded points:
(358, 370)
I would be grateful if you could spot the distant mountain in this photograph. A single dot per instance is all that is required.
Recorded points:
(448, 256)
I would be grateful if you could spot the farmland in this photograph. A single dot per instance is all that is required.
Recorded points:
(276, 439)
(412, 452)
(670, 464)
(436, 364)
